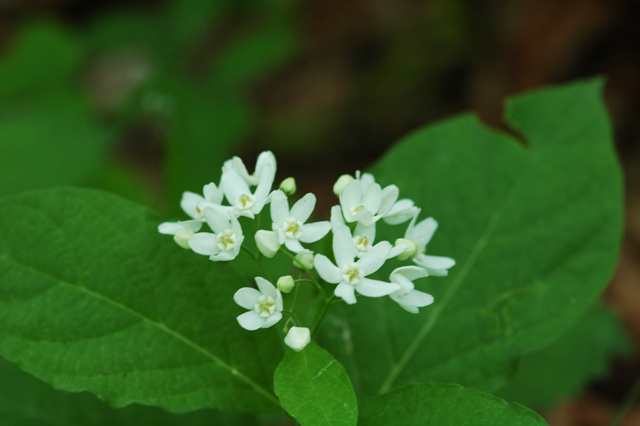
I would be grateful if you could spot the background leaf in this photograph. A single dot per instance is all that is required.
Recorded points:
(444, 404)
(314, 388)
(93, 298)
(535, 232)
(566, 366)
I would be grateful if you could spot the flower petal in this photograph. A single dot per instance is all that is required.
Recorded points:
(416, 298)
(312, 232)
(388, 198)
(272, 319)
(304, 207)
(374, 288)
(372, 260)
(409, 272)
(212, 194)
(279, 207)
(266, 287)
(327, 270)
(233, 186)
(368, 231)
(424, 230)
(189, 202)
(372, 198)
(217, 218)
(295, 246)
(346, 292)
(437, 262)
(250, 320)
(169, 228)
(246, 297)
(343, 248)
(204, 243)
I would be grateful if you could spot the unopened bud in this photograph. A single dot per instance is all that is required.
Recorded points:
(410, 251)
(303, 261)
(288, 186)
(297, 338)
(183, 236)
(286, 283)
(267, 243)
(342, 181)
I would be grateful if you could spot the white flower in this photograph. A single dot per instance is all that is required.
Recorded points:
(289, 225)
(401, 211)
(225, 241)
(192, 204)
(265, 168)
(243, 201)
(265, 305)
(297, 338)
(420, 234)
(350, 275)
(363, 235)
(407, 296)
(364, 201)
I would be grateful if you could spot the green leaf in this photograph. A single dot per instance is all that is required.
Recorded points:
(93, 298)
(27, 401)
(444, 404)
(314, 388)
(535, 231)
(562, 369)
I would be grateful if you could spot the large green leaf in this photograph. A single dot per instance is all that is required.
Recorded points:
(563, 368)
(535, 231)
(26, 401)
(93, 298)
(314, 388)
(444, 404)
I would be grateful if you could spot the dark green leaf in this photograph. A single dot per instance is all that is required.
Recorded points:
(314, 388)
(93, 298)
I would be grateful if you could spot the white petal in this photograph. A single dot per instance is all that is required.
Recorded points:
(304, 207)
(217, 219)
(212, 194)
(327, 270)
(169, 228)
(351, 196)
(409, 272)
(401, 211)
(204, 243)
(368, 231)
(408, 308)
(372, 198)
(389, 196)
(265, 166)
(372, 260)
(374, 288)
(272, 319)
(437, 262)
(295, 246)
(238, 166)
(246, 297)
(346, 292)
(336, 217)
(343, 248)
(233, 186)
(279, 207)
(250, 320)
(416, 298)
(424, 230)
(312, 232)
(266, 287)
(189, 202)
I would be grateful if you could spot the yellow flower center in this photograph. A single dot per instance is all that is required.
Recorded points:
(351, 274)
(265, 306)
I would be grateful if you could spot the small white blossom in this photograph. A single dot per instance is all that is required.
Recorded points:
(265, 305)
(225, 241)
(289, 225)
(420, 234)
(236, 180)
(407, 296)
(297, 338)
(192, 204)
(364, 201)
(349, 274)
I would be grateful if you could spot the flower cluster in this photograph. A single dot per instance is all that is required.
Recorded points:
(363, 205)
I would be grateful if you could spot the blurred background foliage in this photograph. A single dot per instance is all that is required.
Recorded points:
(146, 98)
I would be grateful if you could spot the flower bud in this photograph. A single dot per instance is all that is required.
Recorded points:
(303, 261)
(183, 236)
(288, 186)
(297, 338)
(410, 251)
(286, 283)
(342, 181)
(267, 243)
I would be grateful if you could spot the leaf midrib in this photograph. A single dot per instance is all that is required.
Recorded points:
(162, 327)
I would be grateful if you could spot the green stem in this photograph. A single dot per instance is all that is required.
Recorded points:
(321, 315)
(627, 404)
